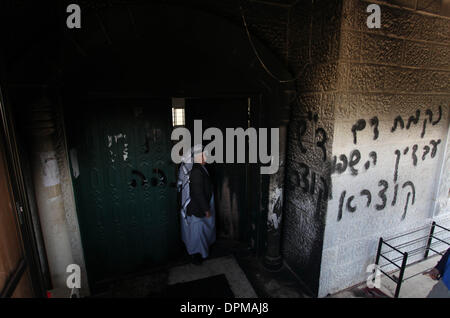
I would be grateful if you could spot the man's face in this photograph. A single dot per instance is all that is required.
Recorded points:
(203, 158)
(200, 158)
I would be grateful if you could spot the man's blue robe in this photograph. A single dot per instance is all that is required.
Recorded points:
(199, 233)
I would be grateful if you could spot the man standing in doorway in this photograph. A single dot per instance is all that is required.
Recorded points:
(198, 229)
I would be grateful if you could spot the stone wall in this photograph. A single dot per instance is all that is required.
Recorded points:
(390, 136)
(314, 52)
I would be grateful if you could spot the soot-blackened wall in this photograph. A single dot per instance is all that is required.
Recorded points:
(314, 52)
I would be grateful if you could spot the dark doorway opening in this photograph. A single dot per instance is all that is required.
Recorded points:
(231, 180)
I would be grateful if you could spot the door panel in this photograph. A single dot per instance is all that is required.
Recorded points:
(230, 179)
(125, 191)
(11, 248)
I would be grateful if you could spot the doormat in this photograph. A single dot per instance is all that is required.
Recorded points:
(210, 287)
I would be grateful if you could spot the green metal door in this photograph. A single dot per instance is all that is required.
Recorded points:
(124, 184)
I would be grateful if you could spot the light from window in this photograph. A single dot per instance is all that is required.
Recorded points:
(178, 118)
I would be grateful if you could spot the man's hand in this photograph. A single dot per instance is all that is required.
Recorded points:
(208, 214)
(433, 273)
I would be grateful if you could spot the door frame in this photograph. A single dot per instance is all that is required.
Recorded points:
(259, 213)
(30, 261)
(259, 104)
(255, 215)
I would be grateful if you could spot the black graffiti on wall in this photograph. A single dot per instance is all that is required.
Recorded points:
(348, 202)
(415, 148)
(322, 142)
(398, 123)
(381, 201)
(351, 161)
(310, 180)
(388, 193)
(306, 179)
(342, 162)
(361, 124)
(415, 120)
(320, 134)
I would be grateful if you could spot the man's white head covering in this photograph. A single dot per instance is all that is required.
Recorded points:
(198, 148)
(197, 153)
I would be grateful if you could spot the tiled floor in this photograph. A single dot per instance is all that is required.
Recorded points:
(227, 265)
(244, 272)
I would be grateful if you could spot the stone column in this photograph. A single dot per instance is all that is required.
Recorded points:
(47, 186)
(273, 260)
